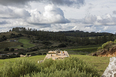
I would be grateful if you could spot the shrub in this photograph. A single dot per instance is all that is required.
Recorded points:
(44, 53)
(19, 67)
(39, 53)
(69, 67)
(99, 48)
(12, 49)
(6, 49)
(115, 41)
(22, 46)
(109, 43)
(61, 45)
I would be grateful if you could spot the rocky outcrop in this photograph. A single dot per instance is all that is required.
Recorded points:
(111, 69)
(107, 52)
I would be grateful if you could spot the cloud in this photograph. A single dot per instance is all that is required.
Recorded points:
(9, 12)
(51, 15)
(3, 22)
(114, 12)
(20, 3)
(16, 3)
(74, 3)
(96, 20)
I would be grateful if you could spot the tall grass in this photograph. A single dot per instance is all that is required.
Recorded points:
(69, 67)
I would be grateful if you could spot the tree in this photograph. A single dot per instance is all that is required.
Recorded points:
(6, 49)
(21, 45)
(12, 49)
(61, 45)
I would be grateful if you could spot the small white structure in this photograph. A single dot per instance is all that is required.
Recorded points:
(111, 69)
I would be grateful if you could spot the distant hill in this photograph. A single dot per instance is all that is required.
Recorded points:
(31, 41)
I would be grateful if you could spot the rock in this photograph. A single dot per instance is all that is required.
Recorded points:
(111, 69)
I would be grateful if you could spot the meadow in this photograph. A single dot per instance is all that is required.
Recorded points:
(99, 63)
(25, 42)
(82, 50)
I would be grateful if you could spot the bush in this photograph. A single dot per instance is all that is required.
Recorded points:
(6, 49)
(22, 46)
(99, 48)
(105, 45)
(115, 41)
(69, 67)
(44, 53)
(39, 53)
(46, 43)
(61, 45)
(18, 68)
(12, 49)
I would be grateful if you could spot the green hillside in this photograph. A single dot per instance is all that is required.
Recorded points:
(9, 44)
(25, 42)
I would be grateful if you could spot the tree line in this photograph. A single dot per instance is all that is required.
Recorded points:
(67, 37)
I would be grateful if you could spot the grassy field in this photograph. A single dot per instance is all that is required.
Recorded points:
(26, 43)
(98, 62)
(82, 49)
(34, 58)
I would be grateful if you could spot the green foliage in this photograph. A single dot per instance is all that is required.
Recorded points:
(12, 49)
(99, 48)
(19, 67)
(70, 67)
(46, 43)
(8, 44)
(82, 49)
(26, 43)
(6, 49)
(115, 41)
(21, 45)
(62, 45)
(109, 43)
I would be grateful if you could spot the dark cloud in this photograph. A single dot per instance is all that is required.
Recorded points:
(17, 3)
(3, 22)
(14, 2)
(74, 3)
(114, 12)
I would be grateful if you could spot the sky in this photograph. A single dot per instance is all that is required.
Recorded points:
(59, 15)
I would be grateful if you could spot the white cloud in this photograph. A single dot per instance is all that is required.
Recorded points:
(51, 15)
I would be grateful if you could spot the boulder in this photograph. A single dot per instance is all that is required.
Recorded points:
(111, 69)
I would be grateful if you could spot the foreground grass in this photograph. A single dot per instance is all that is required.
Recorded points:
(100, 63)
(69, 67)
(34, 58)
